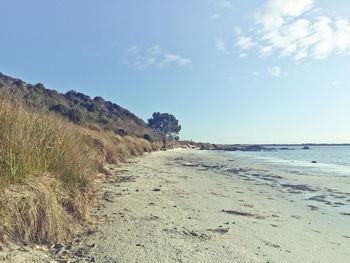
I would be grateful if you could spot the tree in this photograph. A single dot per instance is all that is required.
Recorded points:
(164, 123)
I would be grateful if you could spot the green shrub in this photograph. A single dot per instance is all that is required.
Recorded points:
(75, 116)
(148, 137)
(59, 108)
(121, 132)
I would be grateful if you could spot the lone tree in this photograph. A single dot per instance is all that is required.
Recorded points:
(166, 124)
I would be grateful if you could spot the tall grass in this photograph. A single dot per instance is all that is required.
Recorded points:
(46, 176)
(34, 143)
(109, 147)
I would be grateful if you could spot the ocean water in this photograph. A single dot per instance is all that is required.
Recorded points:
(330, 160)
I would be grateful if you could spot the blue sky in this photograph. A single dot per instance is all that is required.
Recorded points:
(262, 71)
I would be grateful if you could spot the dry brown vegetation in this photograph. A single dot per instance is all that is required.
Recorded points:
(45, 178)
(109, 147)
(48, 167)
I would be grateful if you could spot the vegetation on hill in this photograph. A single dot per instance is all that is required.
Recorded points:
(79, 108)
(52, 147)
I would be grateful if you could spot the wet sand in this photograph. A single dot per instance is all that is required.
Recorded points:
(204, 206)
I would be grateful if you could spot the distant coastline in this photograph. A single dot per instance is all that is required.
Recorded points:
(308, 144)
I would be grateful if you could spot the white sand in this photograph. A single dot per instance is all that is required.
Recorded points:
(184, 221)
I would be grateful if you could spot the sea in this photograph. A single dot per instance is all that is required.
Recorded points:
(317, 160)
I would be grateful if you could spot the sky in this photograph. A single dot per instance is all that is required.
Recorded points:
(231, 71)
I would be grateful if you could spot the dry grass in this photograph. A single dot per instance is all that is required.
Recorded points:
(45, 177)
(42, 210)
(47, 171)
(34, 143)
(108, 147)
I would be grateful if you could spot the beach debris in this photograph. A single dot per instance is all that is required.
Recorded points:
(156, 190)
(268, 177)
(320, 198)
(345, 214)
(237, 213)
(194, 234)
(57, 247)
(301, 187)
(107, 196)
(219, 230)
(236, 171)
(335, 243)
(313, 208)
(314, 162)
(79, 253)
(268, 243)
(232, 212)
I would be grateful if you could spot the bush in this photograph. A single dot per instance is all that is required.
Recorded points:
(60, 109)
(93, 108)
(148, 137)
(121, 132)
(75, 116)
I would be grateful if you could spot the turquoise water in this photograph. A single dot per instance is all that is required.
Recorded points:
(331, 160)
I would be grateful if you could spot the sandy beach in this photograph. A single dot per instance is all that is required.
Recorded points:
(204, 206)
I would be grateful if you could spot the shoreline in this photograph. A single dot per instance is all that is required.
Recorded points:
(204, 206)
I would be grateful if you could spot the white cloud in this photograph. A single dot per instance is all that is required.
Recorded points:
(273, 14)
(221, 46)
(245, 42)
(156, 50)
(215, 16)
(265, 51)
(169, 59)
(256, 73)
(243, 55)
(274, 71)
(296, 28)
(155, 56)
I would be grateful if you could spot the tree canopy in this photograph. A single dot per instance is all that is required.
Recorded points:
(164, 123)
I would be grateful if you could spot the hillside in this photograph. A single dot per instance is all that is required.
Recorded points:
(52, 148)
(79, 108)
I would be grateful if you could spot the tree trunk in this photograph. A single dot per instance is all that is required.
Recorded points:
(164, 142)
